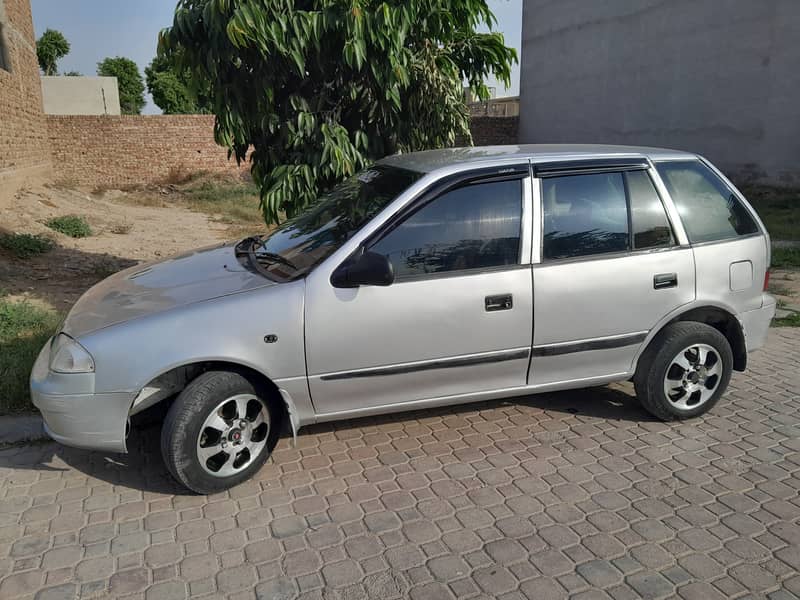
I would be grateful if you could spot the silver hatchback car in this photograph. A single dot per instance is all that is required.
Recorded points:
(429, 279)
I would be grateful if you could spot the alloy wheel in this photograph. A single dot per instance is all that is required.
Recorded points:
(693, 376)
(233, 435)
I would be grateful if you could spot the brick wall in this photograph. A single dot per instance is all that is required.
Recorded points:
(128, 149)
(120, 150)
(23, 134)
(490, 131)
(115, 150)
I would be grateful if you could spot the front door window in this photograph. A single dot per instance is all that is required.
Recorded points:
(476, 226)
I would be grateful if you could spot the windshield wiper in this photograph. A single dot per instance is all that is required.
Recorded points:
(246, 247)
(273, 258)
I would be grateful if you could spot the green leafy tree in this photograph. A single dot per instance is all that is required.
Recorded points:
(174, 90)
(129, 81)
(320, 88)
(50, 48)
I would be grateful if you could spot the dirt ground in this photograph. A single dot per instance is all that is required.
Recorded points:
(785, 286)
(126, 232)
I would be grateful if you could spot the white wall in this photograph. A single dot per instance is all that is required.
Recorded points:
(80, 95)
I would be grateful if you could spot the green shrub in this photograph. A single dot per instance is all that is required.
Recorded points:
(791, 320)
(71, 225)
(25, 245)
(786, 257)
(24, 328)
(779, 209)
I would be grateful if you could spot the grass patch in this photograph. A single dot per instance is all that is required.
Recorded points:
(793, 320)
(786, 257)
(24, 328)
(25, 245)
(230, 202)
(779, 208)
(72, 225)
(233, 202)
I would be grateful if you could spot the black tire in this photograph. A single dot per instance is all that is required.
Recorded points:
(186, 417)
(658, 357)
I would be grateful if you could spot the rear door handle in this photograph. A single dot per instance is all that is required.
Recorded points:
(665, 280)
(502, 302)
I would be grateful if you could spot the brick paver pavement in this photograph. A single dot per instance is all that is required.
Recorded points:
(578, 493)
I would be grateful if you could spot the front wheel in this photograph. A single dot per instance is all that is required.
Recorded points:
(218, 432)
(684, 371)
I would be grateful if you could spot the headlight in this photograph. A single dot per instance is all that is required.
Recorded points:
(68, 356)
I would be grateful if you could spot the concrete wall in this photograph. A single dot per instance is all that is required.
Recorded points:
(718, 77)
(80, 95)
(23, 135)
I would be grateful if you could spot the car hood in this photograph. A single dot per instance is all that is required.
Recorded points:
(150, 288)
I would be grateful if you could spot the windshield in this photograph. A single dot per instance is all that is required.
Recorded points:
(304, 241)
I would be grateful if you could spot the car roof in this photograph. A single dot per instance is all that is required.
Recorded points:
(432, 160)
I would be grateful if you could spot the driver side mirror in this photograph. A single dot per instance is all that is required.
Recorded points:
(363, 268)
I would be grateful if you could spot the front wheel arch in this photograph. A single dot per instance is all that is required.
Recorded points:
(173, 381)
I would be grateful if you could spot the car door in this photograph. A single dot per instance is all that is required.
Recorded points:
(457, 318)
(609, 269)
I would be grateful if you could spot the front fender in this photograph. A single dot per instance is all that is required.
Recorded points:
(231, 329)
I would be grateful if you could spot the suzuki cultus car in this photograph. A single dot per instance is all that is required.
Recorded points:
(429, 279)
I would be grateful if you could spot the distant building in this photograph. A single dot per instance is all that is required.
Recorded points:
(718, 77)
(80, 95)
(469, 97)
(507, 106)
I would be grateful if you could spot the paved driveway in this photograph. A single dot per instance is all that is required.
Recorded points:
(577, 493)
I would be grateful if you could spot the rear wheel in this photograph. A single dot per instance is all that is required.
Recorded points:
(684, 371)
(218, 432)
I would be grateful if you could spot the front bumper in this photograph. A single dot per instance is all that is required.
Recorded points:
(74, 415)
(756, 323)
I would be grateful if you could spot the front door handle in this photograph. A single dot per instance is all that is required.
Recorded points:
(502, 302)
(665, 280)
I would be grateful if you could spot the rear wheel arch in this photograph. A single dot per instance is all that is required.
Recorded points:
(720, 319)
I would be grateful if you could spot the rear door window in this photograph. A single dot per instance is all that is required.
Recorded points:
(599, 213)
(584, 215)
(710, 211)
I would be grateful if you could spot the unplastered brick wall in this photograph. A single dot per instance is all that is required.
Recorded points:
(23, 134)
(126, 150)
(493, 131)
(135, 149)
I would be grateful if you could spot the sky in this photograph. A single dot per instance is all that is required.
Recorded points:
(96, 29)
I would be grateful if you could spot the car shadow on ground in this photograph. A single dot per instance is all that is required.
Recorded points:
(142, 468)
(58, 276)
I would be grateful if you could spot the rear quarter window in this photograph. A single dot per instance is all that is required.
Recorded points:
(710, 211)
